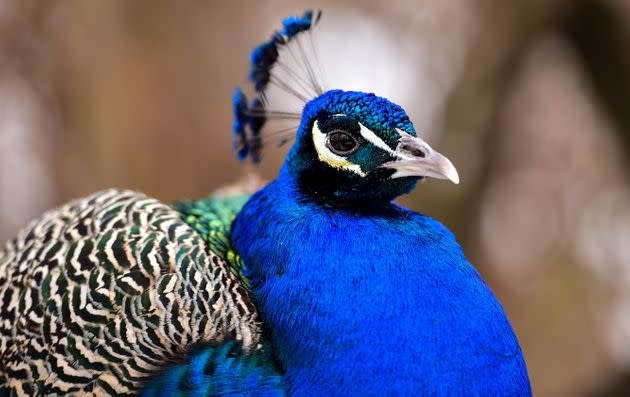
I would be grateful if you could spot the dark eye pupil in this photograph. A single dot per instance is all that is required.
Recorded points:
(341, 142)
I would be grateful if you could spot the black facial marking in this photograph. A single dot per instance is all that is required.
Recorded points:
(328, 123)
(325, 185)
(339, 188)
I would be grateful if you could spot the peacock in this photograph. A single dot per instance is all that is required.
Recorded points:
(318, 284)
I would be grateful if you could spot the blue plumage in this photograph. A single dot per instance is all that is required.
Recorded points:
(219, 371)
(316, 285)
(241, 120)
(362, 296)
(249, 119)
(359, 295)
(376, 113)
(294, 25)
(373, 302)
(266, 54)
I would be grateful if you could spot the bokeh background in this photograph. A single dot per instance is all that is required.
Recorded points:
(530, 99)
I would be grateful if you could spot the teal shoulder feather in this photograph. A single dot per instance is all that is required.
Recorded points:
(212, 218)
(224, 369)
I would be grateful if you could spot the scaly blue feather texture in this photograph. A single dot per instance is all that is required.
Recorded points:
(376, 113)
(374, 302)
(224, 370)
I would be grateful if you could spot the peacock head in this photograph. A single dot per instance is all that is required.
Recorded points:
(354, 146)
(349, 146)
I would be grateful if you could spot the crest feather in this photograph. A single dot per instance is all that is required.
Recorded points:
(250, 116)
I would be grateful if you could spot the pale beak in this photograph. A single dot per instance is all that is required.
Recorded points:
(416, 158)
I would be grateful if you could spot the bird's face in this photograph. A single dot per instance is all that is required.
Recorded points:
(353, 146)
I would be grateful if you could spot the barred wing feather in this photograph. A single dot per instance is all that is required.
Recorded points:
(98, 295)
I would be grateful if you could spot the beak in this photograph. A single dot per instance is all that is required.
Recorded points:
(416, 158)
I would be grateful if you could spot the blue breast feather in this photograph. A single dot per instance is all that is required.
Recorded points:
(357, 302)
(373, 303)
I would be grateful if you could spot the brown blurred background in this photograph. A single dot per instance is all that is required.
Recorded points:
(530, 99)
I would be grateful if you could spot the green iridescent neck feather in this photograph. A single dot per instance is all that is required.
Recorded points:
(212, 218)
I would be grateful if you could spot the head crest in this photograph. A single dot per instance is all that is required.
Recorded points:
(301, 83)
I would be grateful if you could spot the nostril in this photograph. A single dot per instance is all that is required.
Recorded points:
(414, 151)
(418, 153)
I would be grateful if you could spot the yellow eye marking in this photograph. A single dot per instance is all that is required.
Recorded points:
(330, 158)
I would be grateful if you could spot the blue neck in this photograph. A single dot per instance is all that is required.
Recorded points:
(376, 300)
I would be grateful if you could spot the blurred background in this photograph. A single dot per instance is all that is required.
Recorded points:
(530, 99)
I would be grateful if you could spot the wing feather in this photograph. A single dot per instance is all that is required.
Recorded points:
(98, 295)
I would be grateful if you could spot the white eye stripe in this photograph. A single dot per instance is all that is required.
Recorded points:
(371, 137)
(330, 158)
(336, 161)
(403, 133)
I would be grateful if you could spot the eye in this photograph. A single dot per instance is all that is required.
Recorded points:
(342, 143)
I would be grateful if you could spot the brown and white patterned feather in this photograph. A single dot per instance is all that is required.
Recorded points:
(99, 294)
